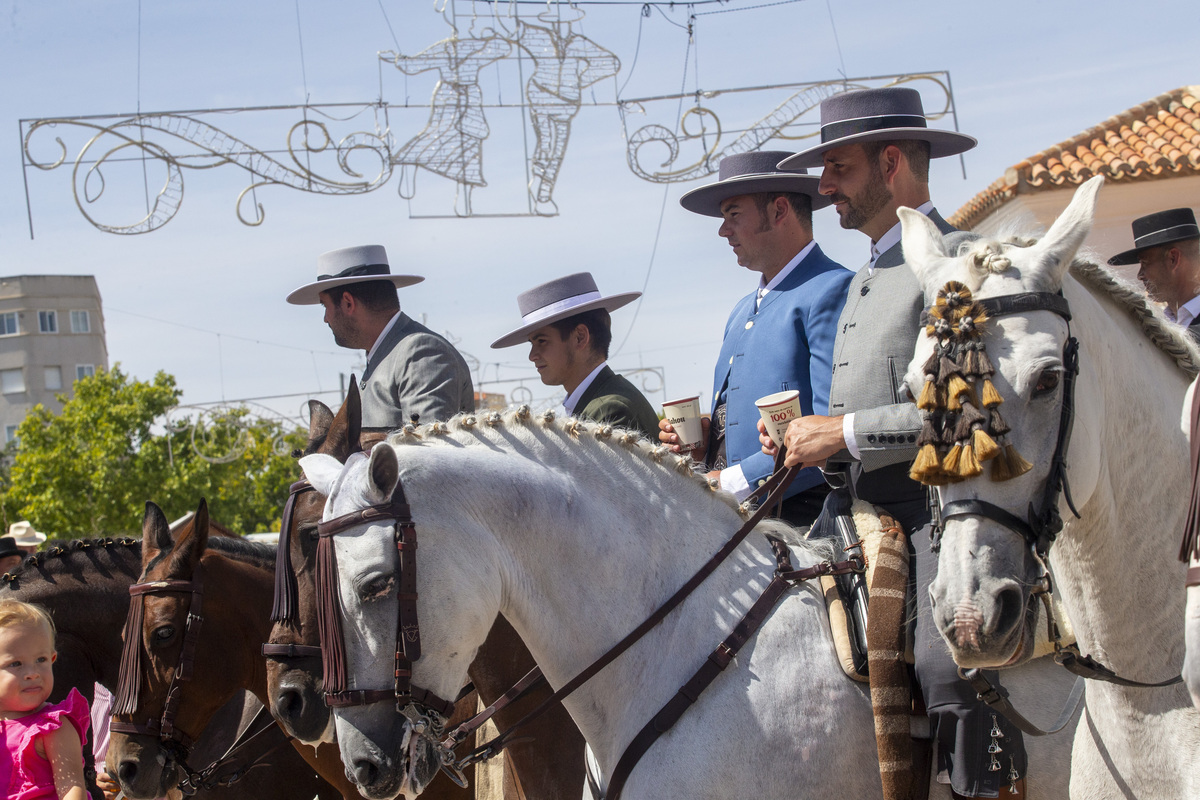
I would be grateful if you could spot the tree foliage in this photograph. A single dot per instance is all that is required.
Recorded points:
(90, 470)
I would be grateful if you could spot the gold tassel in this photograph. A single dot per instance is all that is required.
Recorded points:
(991, 398)
(1016, 464)
(1000, 470)
(968, 464)
(926, 465)
(928, 399)
(985, 446)
(956, 386)
(950, 462)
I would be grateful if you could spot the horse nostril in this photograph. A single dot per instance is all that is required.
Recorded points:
(126, 772)
(365, 772)
(290, 701)
(1010, 609)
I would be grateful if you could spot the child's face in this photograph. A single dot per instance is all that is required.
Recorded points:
(26, 667)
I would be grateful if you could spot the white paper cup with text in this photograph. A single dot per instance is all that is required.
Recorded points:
(684, 416)
(777, 411)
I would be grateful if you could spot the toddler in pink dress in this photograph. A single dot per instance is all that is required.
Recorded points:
(43, 754)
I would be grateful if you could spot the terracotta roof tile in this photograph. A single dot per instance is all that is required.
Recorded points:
(1154, 140)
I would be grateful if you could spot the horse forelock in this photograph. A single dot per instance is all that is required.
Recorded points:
(547, 438)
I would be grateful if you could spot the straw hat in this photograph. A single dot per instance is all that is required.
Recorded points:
(349, 265)
(24, 534)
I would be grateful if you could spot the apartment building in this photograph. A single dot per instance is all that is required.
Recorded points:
(51, 333)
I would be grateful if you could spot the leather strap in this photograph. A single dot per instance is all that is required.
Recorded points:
(281, 651)
(997, 698)
(1193, 573)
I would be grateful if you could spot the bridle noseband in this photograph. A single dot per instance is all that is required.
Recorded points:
(425, 710)
(1044, 522)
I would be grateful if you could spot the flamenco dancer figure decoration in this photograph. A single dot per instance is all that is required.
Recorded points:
(118, 162)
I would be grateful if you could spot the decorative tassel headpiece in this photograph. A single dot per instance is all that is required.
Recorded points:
(961, 425)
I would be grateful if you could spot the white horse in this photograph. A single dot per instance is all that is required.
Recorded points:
(576, 534)
(1116, 568)
(1191, 661)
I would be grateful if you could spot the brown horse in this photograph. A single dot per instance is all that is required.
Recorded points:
(84, 585)
(237, 580)
(547, 765)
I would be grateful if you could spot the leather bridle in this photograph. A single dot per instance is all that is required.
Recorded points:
(1043, 522)
(174, 740)
(286, 605)
(425, 709)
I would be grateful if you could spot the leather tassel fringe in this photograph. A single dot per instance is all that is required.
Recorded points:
(129, 680)
(329, 619)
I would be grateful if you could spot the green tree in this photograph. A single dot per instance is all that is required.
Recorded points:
(90, 470)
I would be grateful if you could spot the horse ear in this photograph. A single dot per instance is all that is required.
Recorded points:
(156, 532)
(1058, 247)
(321, 470)
(190, 541)
(342, 436)
(319, 420)
(384, 470)
(921, 241)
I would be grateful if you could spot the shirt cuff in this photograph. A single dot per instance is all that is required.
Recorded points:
(848, 436)
(733, 480)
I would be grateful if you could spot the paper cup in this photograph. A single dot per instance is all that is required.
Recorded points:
(777, 411)
(684, 416)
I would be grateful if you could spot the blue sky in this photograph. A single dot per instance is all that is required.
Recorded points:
(1026, 75)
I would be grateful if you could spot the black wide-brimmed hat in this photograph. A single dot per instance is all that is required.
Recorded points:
(8, 547)
(1163, 227)
(751, 173)
(367, 262)
(877, 115)
(559, 299)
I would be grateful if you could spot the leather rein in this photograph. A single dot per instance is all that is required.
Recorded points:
(1040, 528)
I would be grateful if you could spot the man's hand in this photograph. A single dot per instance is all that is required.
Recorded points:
(810, 440)
(667, 435)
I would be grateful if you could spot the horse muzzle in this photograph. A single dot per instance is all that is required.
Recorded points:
(142, 767)
(989, 627)
(299, 706)
(385, 773)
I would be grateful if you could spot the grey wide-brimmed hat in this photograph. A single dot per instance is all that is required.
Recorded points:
(24, 535)
(559, 299)
(367, 262)
(751, 173)
(874, 115)
(1162, 227)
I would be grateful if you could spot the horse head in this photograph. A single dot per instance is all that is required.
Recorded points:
(388, 738)
(150, 741)
(293, 669)
(990, 371)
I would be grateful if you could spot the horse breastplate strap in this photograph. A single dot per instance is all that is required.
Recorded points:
(408, 633)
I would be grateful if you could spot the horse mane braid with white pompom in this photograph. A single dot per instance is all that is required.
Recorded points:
(961, 423)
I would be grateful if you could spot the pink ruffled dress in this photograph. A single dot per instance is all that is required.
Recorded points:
(23, 773)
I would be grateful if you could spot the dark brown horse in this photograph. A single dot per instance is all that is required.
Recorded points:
(237, 583)
(84, 584)
(548, 765)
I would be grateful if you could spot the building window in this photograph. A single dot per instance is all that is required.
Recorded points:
(12, 381)
(80, 322)
(48, 321)
(8, 324)
(10, 433)
(53, 379)
(84, 371)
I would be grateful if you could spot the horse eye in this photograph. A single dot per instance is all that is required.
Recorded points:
(310, 530)
(164, 634)
(1047, 382)
(377, 588)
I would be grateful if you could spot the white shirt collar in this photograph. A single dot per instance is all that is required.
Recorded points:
(573, 398)
(783, 273)
(892, 237)
(382, 335)
(1187, 312)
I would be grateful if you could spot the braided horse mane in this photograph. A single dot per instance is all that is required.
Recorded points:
(577, 433)
(987, 255)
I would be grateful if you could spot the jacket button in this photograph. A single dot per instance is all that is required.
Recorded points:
(749, 324)
(731, 359)
(762, 483)
(891, 439)
(912, 437)
(871, 438)
(863, 291)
